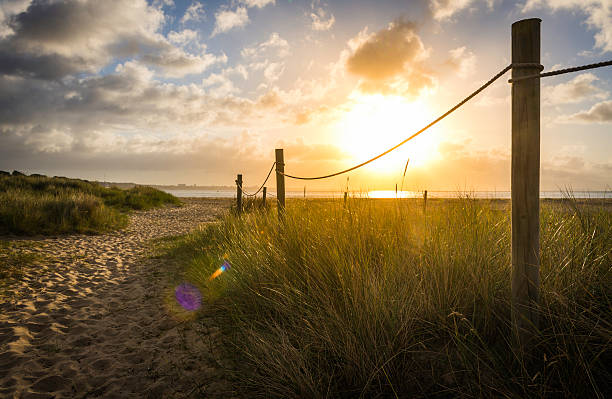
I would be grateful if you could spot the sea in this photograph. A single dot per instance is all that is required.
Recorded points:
(394, 194)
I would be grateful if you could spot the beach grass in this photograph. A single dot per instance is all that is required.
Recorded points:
(31, 205)
(382, 299)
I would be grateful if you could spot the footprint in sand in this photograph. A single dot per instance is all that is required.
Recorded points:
(91, 322)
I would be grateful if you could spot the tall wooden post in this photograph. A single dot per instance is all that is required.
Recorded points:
(263, 198)
(239, 194)
(525, 179)
(280, 181)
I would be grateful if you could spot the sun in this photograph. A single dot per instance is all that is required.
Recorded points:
(374, 123)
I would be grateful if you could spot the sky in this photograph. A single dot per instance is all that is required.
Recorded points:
(194, 92)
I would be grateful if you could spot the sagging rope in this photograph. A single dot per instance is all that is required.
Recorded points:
(465, 100)
(260, 187)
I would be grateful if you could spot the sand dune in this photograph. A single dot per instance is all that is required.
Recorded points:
(91, 322)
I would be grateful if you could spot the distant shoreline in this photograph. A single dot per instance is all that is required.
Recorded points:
(219, 193)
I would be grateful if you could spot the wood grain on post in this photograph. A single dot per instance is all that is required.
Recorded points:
(280, 180)
(239, 194)
(525, 179)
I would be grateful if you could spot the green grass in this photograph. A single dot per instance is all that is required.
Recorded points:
(380, 300)
(32, 205)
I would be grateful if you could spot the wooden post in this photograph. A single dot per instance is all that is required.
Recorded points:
(280, 181)
(345, 197)
(263, 202)
(304, 191)
(239, 194)
(425, 201)
(525, 179)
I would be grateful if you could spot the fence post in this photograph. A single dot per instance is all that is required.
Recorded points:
(425, 201)
(525, 179)
(265, 190)
(280, 181)
(239, 194)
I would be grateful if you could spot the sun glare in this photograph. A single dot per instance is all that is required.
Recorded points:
(375, 123)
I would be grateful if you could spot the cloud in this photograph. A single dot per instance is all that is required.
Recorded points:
(221, 85)
(599, 16)
(43, 45)
(195, 12)
(257, 3)
(601, 113)
(390, 60)
(176, 63)
(445, 9)
(321, 20)
(227, 20)
(183, 37)
(275, 45)
(273, 71)
(462, 61)
(576, 90)
(301, 152)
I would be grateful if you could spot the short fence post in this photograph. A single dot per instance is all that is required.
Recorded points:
(239, 194)
(263, 198)
(280, 181)
(425, 201)
(525, 180)
(345, 198)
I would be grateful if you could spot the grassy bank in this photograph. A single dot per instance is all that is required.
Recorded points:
(42, 205)
(381, 300)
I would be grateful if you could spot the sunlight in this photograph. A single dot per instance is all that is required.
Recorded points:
(375, 123)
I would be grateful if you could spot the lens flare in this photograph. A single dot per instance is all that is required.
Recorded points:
(225, 266)
(188, 296)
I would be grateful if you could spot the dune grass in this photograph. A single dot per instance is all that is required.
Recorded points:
(32, 205)
(381, 300)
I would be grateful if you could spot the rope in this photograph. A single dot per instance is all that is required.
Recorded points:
(260, 187)
(481, 88)
(562, 71)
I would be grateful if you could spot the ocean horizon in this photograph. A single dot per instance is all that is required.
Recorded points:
(393, 194)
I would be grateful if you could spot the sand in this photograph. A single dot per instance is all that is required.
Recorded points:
(92, 321)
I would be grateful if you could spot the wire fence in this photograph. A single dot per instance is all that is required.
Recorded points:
(441, 117)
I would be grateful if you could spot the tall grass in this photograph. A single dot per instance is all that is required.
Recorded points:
(42, 205)
(380, 300)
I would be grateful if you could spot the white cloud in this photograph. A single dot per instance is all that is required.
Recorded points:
(445, 9)
(220, 85)
(275, 44)
(599, 16)
(463, 61)
(578, 89)
(195, 12)
(598, 113)
(227, 20)
(321, 20)
(257, 3)
(9, 8)
(43, 45)
(183, 37)
(273, 71)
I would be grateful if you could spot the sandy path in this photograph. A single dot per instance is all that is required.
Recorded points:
(92, 322)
